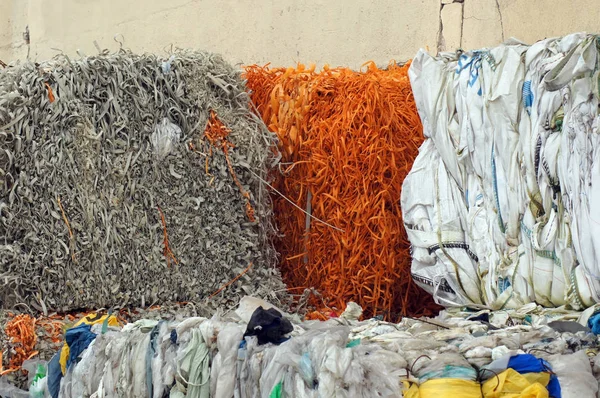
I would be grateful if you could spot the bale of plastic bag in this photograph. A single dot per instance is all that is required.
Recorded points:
(497, 205)
(148, 178)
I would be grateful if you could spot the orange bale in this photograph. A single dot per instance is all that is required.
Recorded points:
(348, 139)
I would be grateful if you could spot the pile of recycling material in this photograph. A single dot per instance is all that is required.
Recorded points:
(347, 138)
(499, 204)
(24, 337)
(260, 351)
(129, 180)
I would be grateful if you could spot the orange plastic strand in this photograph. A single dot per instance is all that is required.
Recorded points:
(225, 286)
(167, 252)
(50, 93)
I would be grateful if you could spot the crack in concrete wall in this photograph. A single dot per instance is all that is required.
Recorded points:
(501, 19)
(452, 21)
(470, 22)
(440, 35)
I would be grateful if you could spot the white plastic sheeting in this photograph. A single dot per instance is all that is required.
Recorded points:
(199, 357)
(502, 206)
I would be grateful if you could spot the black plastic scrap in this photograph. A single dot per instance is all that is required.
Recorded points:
(269, 326)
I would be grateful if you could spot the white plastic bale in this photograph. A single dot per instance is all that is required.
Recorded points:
(83, 373)
(163, 340)
(386, 355)
(507, 175)
(575, 375)
(447, 272)
(223, 376)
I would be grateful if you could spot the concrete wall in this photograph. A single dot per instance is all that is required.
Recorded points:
(338, 32)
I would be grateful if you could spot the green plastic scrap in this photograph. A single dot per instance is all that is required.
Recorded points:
(36, 390)
(40, 373)
(353, 343)
(277, 390)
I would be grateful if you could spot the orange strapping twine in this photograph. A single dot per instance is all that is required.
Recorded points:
(348, 139)
(225, 286)
(167, 252)
(216, 133)
(50, 93)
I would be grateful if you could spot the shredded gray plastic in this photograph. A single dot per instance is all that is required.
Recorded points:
(93, 150)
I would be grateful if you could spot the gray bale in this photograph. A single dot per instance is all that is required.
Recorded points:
(103, 157)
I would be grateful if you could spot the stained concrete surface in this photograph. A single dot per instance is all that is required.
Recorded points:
(343, 32)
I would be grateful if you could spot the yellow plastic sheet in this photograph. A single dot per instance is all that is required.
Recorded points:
(508, 384)
(445, 388)
(92, 319)
(512, 384)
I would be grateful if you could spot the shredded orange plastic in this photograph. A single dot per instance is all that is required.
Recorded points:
(22, 336)
(167, 252)
(348, 139)
(24, 332)
(50, 93)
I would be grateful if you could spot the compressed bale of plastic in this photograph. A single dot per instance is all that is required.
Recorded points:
(109, 180)
(512, 128)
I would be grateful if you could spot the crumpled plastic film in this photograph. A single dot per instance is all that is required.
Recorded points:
(511, 384)
(338, 358)
(499, 205)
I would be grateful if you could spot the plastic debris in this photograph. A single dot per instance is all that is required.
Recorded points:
(347, 140)
(338, 357)
(112, 195)
(498, 205)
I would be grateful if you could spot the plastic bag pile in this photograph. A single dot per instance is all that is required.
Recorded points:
(130, 180)
(258, 351)
(499, 205)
